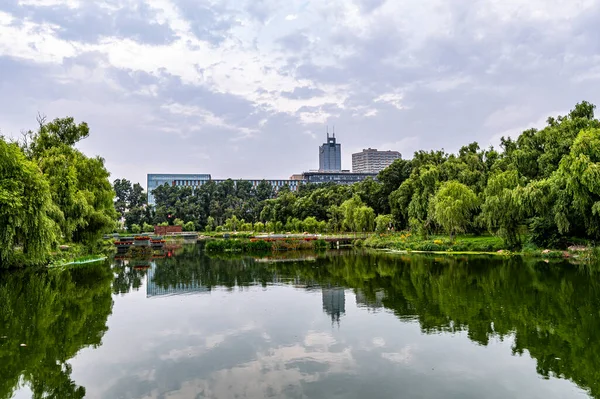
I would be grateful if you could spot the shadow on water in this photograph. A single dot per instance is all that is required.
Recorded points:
(551, 309)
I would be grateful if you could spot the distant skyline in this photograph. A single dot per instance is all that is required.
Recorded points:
(246, 88)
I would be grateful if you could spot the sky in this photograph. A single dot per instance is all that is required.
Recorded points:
(247, 88)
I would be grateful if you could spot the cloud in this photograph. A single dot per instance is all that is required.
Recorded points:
(428, 74)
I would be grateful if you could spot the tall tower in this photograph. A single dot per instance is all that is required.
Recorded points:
(330, 155)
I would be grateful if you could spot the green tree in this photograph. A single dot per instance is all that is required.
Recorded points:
(189, 226)
(503, 209)
(348, 209)
(122, 189)
(147, 228)
(26, 209)
(383, 223)
(210, 224)
(453, 207)
(364, 218)
(136, 229)
(311, 224)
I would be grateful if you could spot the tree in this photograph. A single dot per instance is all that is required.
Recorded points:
(311, 224)
(79, 185)
(122, 189)
(147, 228)
(348, 209)
(210, 224)
(580, 171)
(189, 226)
(503, 209)
(364, 218)
(259, 227)
(383, 223)
(61, 132)
(453, 206)
(26, 209)
(136, 229)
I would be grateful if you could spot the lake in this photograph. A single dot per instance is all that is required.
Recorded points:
(341, 324)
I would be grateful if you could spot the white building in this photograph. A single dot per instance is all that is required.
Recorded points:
(373, 161)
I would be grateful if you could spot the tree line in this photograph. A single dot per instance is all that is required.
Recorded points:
(544, 185)
(51, 193)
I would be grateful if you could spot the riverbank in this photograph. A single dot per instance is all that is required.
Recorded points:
(467, 245)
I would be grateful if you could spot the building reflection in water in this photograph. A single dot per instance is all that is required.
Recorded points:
(370, 303)
(181, 288)
(334, 302)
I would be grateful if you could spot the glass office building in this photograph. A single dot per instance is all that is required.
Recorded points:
(330, 155)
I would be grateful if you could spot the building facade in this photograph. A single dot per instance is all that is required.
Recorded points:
(373, 161)
(341, 177)
(330, 155)
(190, 180)
(158, 179)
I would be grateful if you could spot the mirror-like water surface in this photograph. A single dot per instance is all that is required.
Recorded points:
(337, 325)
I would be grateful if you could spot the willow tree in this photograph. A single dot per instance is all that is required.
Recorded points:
(79, 185)
(581, 173)
(25, 209)
(503, 210)
(453, 206)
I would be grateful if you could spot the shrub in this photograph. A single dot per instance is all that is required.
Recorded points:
(136, 229)
(189, 226)
(147, 228)
(428, 246)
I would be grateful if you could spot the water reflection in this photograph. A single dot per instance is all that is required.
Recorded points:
(349, 325)
(45, 319)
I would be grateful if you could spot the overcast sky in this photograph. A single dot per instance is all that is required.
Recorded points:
(246, 88)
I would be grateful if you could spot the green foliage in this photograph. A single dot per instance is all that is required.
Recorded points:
(26, 210)
(178, 222)
(364, 218)
(383, 223)
(189, 226)
(453, 206)
(542, 185)
(136, 229)
(78, 184)
(147, 228)
(56, 314)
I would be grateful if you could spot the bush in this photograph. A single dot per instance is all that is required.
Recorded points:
(428, 246)
(147, 228)
(136, 229)
(189, 226)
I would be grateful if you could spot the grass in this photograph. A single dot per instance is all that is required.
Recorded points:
(409, 242)
(247, 245)
(472, 244)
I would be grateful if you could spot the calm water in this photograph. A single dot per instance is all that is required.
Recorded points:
(336, 326)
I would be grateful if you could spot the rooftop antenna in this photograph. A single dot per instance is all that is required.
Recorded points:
(333, 131)
(327, 131)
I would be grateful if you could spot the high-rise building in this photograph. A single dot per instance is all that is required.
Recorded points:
(373, 161)
(330, 155)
